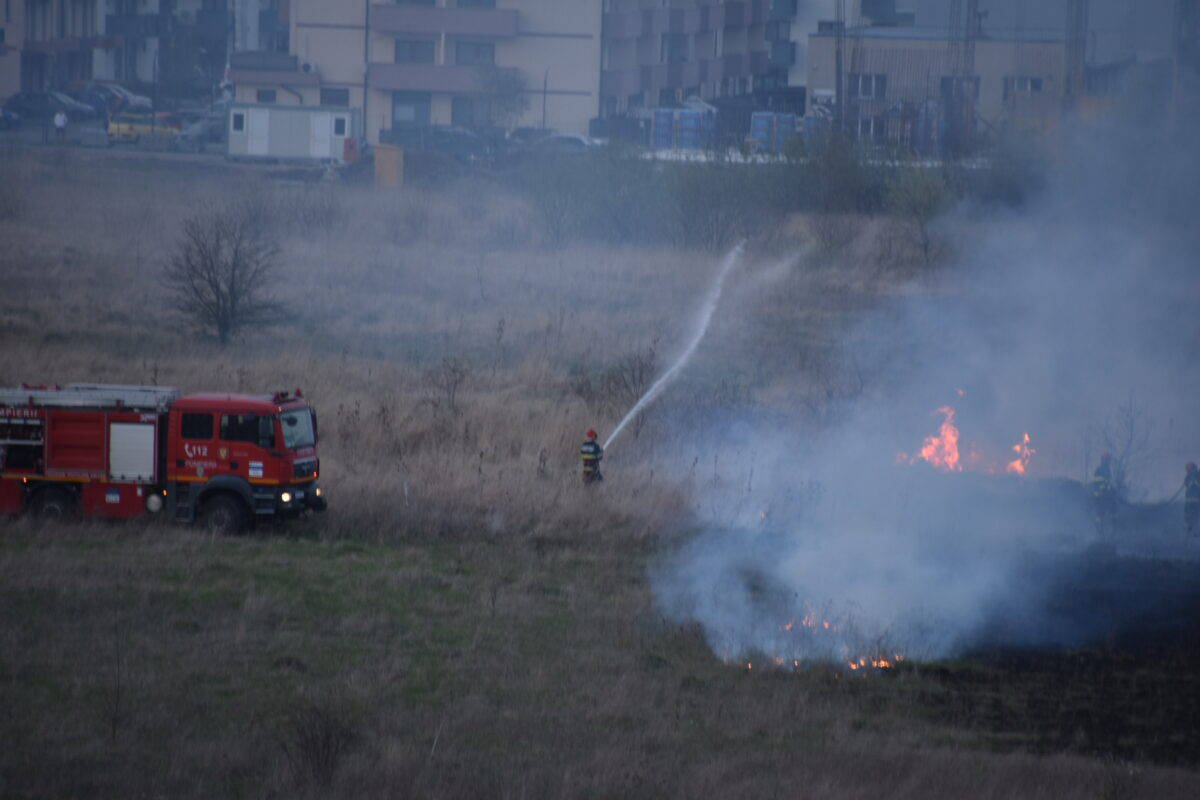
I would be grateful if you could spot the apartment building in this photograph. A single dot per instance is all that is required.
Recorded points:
(662, 52)
(45, 43)
(57, 44)
(12, 38)
(435, 62)
(908, 85)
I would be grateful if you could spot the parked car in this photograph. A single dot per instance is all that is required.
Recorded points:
(131, 127)
(564, 144)
(199, 134)
(132, 99)
(95, 100)
(34, 105)
(9, 120)
(117, 97)
(527, 136)
(74, 108)
(459, 143)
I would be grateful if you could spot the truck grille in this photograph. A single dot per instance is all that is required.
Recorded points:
(304, 469)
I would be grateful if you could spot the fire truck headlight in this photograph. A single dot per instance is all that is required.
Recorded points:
(319, 492)
(286, 497)
(154, 503)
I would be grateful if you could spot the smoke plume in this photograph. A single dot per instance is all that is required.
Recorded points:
(1073, 319)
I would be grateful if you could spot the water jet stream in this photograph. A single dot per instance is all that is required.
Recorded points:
(706, 314)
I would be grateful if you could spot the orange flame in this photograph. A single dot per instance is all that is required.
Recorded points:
(1018, 465)
(942, 450)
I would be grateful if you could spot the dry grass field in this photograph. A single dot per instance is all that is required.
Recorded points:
(468, 620)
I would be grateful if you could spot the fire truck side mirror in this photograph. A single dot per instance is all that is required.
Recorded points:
(314, 420)
(266, 432)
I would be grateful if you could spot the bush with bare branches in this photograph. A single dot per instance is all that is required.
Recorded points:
(223, 271)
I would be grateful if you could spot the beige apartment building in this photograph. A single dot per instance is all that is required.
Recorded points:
(902, 83)
(51, 43)
(62, 44)
(435, 62)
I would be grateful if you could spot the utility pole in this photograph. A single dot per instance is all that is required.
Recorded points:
(839, 78)
(1076, 40)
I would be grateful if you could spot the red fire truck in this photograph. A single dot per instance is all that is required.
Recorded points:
(224, 460)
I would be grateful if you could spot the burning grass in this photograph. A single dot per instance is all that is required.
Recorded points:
(469, 620)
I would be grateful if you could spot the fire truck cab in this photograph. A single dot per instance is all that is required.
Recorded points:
(224, 460)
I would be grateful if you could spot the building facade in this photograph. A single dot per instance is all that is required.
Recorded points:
(471, 63)
(51, 43)
(63, 44)
(662, 52)
(918, 87)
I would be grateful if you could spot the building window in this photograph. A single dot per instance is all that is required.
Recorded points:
(197, 426)
(866, 87)
(265, 95)
(470, 112)
(872, 129)
(339, 126)
(335, 97)
(779, 31)
(474, 54)
(1021, 84)
(955, 88)
(414, 52)
(674, 48)
(476, 3)
(239, 122)
(410, 109)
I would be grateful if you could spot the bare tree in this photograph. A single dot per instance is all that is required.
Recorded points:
(1126, 437)
(918, 195)
(506, 91)
(446, 380)
(222, 274)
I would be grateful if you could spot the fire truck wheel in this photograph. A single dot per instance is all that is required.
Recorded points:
(224, 514)
(52, 503)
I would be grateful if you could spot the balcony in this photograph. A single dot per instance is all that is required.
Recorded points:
(264, 60)
(451, 79)
(265, 67)
(133, 26)
(490, 22)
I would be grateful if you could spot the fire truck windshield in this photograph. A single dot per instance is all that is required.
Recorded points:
(297, 429)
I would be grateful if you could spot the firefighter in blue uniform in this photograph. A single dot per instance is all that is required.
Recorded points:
(591, 453)
(1191, 499)
(1104, 494)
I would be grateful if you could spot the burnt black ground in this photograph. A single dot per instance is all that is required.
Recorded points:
(1128, 689)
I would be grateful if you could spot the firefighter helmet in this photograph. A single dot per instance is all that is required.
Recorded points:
(1191, 466)
(591, 434)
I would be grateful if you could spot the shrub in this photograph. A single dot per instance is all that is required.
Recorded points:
(223, 271)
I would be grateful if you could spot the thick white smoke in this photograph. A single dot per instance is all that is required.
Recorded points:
(1053, 318)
